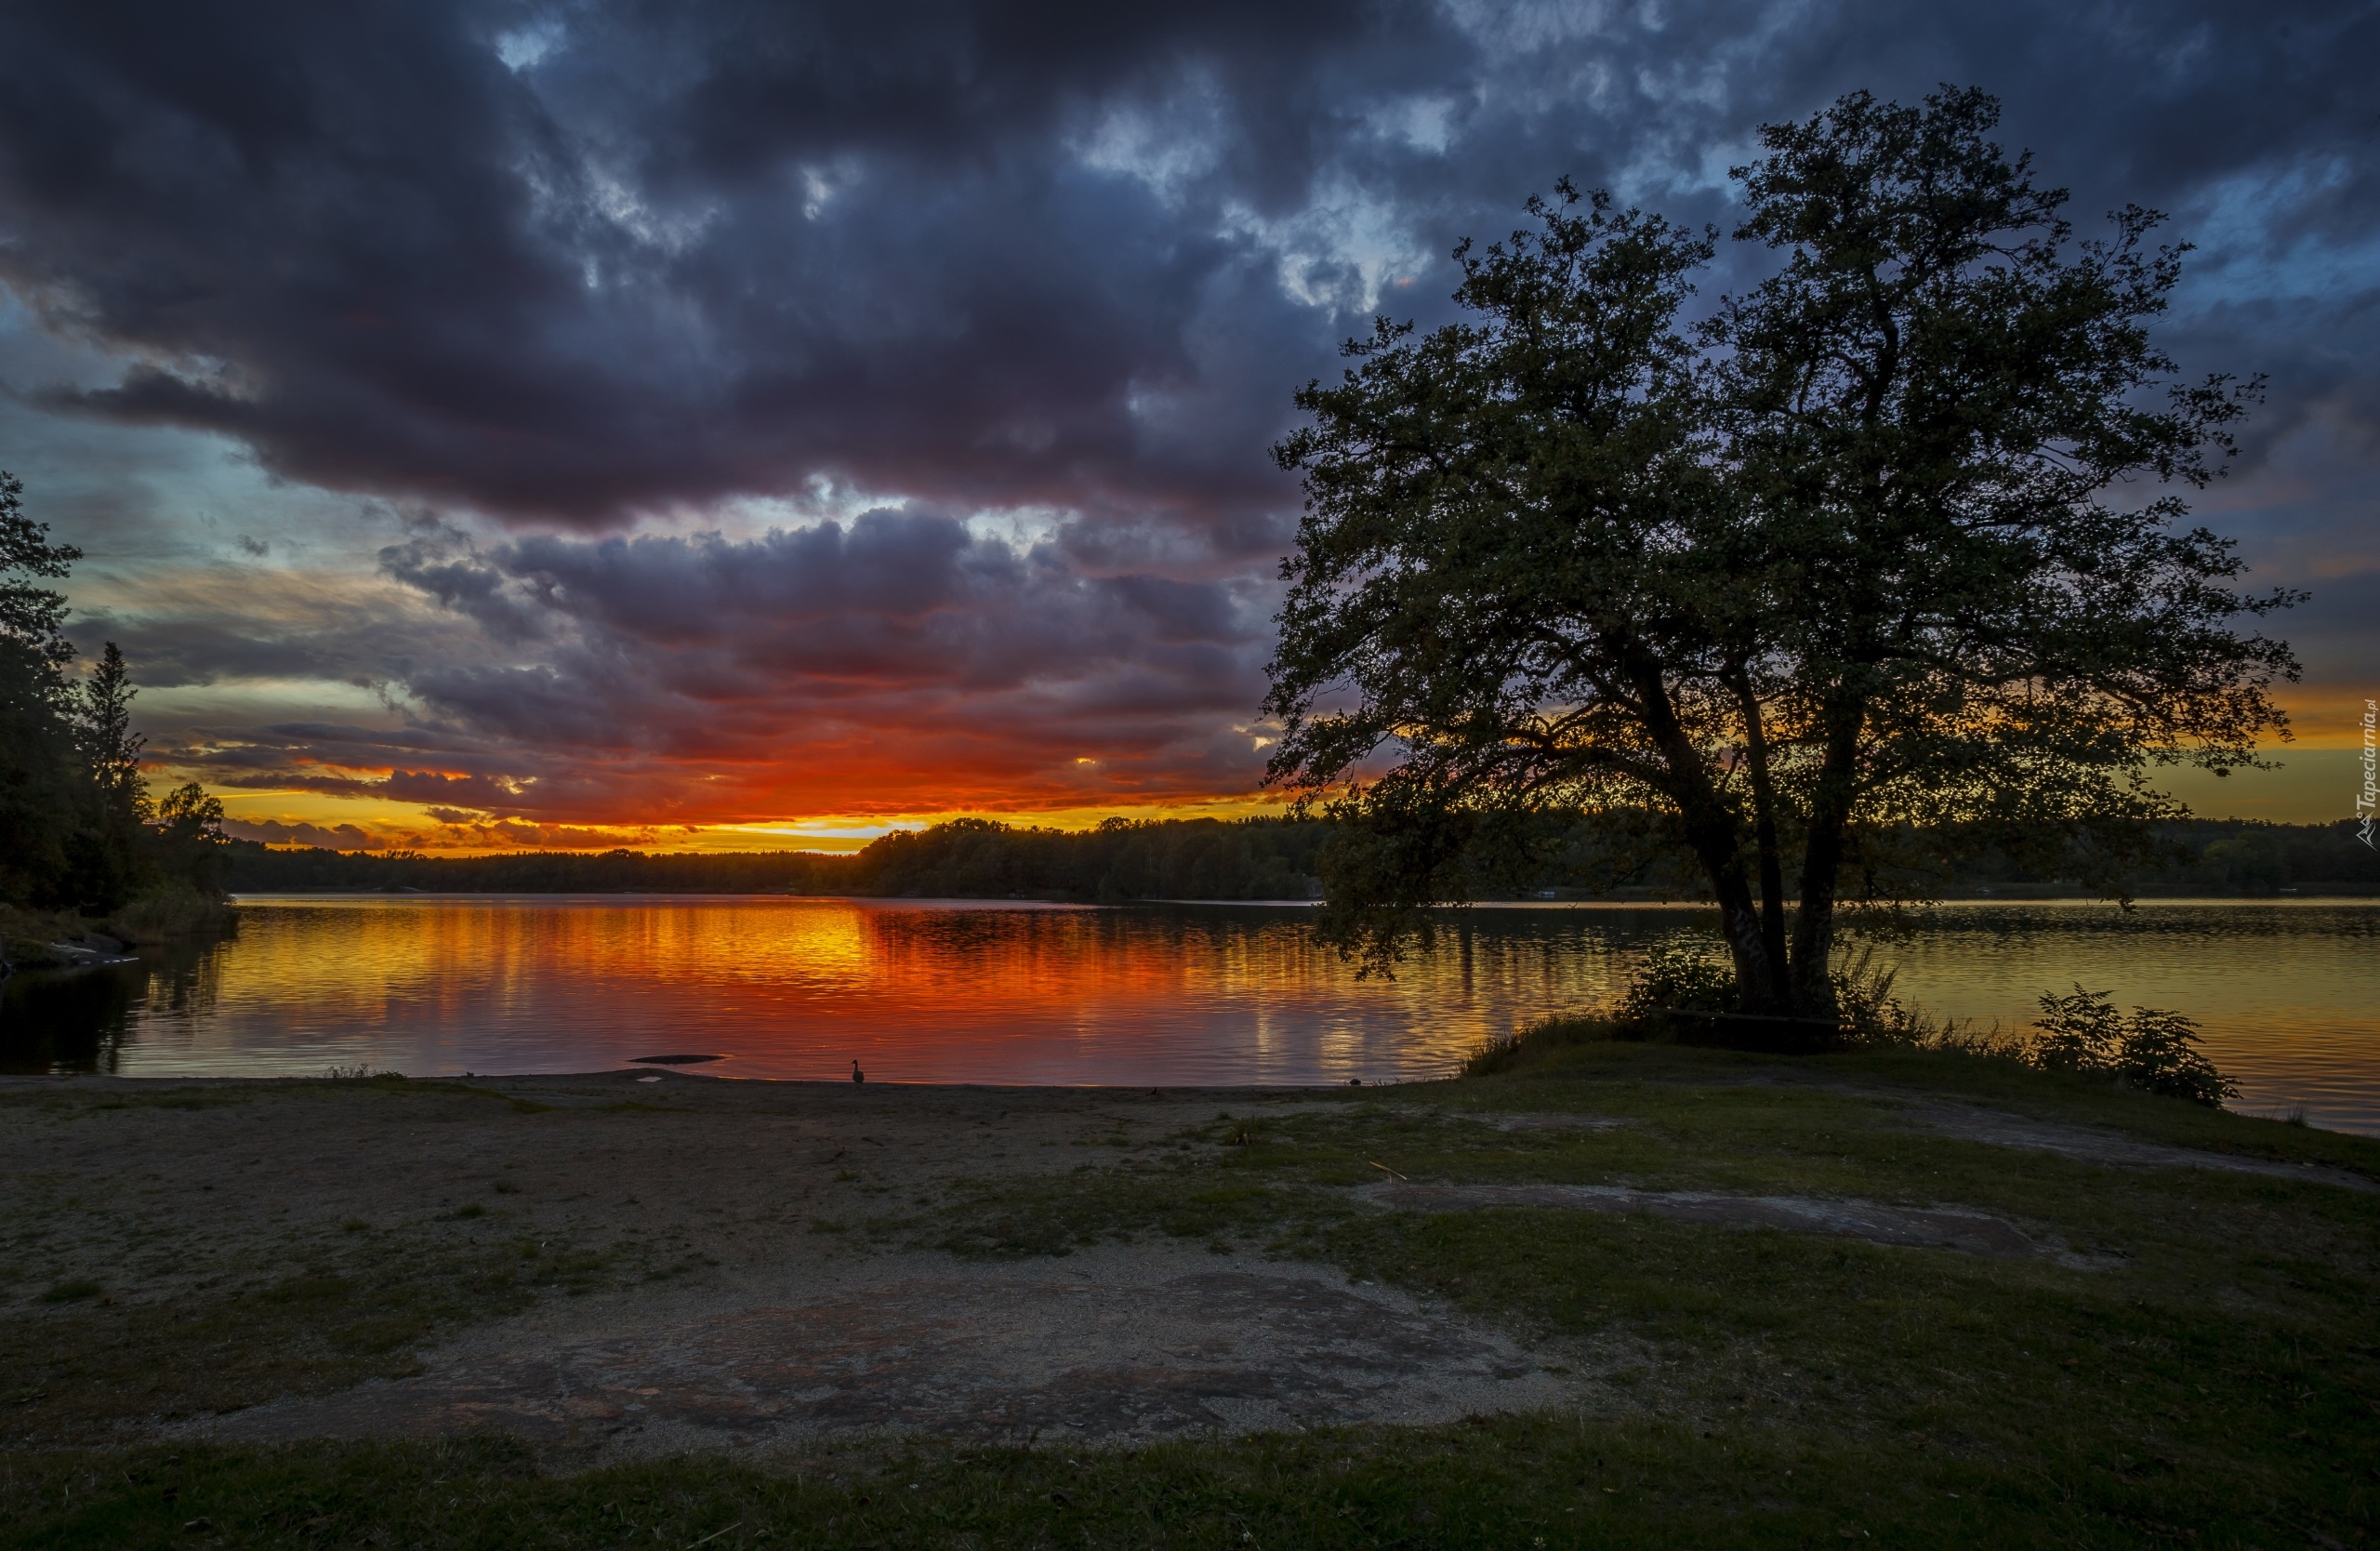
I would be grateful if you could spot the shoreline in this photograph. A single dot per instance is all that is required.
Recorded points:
(1006, 902)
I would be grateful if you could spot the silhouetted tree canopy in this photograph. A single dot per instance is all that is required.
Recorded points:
(1857, 567)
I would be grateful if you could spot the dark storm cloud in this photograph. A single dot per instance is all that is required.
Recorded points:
(237, 623)
(895, 663)
(556, 269)
(675, 258)
(671, 590)
(707, 649)
(692, 250)
(895, 599)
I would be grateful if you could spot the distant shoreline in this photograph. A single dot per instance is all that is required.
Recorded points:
(1002, 902)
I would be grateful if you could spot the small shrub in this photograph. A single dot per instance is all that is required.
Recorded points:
(1498, 1053)
(39, 926)
(72, 1292)
(1993, 1044)
(1506, 1052)
(2160, 1055)
(1863, 996)
(2079, 1033)
(28, 954)
(172, 910)
(2153, 1050)
(1679, 976)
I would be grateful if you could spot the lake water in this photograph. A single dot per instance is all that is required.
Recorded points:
(966, 991)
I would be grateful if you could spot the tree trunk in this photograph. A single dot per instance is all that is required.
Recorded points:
(1823, 857)
(1708, 829)
(1739, 921)
(1755, 977)
(1772, 869)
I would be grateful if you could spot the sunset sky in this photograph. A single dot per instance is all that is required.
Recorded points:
(727, 426)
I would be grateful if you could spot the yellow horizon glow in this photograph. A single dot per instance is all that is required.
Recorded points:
(388, 825)
(2320, 774)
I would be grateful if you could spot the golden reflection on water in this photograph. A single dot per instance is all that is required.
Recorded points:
(2283, 990)
(990, 993)
(798, 987)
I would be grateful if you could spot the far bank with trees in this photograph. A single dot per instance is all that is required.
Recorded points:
(1617, 857)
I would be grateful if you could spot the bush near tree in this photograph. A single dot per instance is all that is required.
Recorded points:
(2153, 1050)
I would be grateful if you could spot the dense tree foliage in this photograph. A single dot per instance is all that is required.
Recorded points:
(38, 789)
(78, 830)
(1851, 570)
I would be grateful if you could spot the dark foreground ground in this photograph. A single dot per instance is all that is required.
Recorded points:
(1634, 1295)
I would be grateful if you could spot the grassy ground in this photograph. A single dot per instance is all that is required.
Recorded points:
(2217, 1384)
(353, 1308)
(219, 1314)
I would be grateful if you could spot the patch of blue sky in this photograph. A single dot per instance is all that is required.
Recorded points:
(2259, 236)
(526, 47)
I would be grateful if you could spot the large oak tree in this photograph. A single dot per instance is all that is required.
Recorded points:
(1892, 545)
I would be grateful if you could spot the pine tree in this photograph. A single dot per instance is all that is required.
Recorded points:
(108, 855)
(40, 779)
(110, 746)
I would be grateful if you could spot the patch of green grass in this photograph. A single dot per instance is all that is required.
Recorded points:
(353, 1314)
(1975, 1355)
(1586, 1065)
(2219, 1376)
(70, 1292)
(176, 1099)
(1019, 1219)
(1516, 1481)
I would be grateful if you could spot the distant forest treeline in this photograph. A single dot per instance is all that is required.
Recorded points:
(965, 860)
(1257, 858)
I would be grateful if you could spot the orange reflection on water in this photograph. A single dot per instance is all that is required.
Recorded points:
(799, 988)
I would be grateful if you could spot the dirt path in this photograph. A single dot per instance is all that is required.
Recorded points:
(1116, 1346)
(2096, 1144)
(735, 1302)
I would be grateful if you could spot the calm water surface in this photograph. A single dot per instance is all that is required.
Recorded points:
(972, 992)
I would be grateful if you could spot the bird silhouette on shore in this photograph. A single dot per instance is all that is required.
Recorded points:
(857, 1074)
